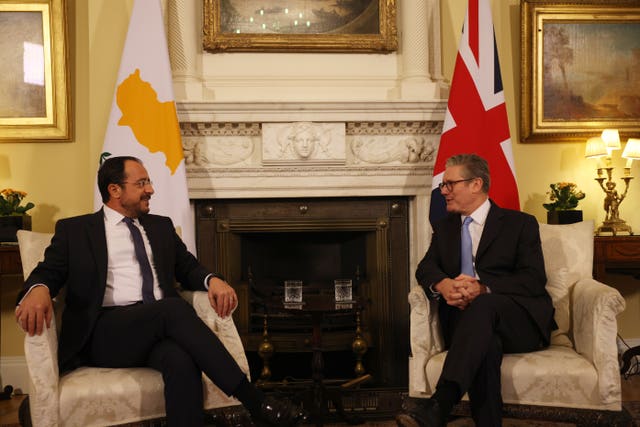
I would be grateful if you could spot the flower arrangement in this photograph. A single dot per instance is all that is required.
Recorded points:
(10, 200)
(563, 196)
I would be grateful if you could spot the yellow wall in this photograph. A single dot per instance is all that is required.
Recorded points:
(59, 177)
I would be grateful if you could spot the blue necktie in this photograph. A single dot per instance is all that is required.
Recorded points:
(143, 260)
(466, 249)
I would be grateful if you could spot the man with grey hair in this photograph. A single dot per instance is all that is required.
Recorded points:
(485, 269)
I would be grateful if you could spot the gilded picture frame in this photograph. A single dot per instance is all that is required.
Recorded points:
(332, 26)
(578, 69)
(34, 74)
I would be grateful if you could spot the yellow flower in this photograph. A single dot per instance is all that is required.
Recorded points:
(10, 202)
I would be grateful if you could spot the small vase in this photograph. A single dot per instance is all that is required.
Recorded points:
(564, 217)
(10, 224)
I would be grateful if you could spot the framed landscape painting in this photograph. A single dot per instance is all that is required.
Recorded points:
(300, 25)
(34, 88)
(580, 69)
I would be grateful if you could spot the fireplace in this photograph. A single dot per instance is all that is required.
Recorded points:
(259, 243)
(358, 201)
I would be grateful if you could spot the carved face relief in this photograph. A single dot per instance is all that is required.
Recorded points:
(304, 143)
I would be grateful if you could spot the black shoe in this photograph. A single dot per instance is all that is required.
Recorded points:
(421, 413)
(280, 412)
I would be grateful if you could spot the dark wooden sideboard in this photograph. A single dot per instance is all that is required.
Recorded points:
(9, 260)
(10, 272)
(616, 254)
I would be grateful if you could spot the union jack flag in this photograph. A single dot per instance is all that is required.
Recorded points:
(476, 120)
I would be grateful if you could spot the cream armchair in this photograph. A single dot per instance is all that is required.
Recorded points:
(102, 396)
(579, 370)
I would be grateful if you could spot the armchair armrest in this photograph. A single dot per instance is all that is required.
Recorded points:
(224, 328)
(41, 354)
(425, 336)
(595, 307)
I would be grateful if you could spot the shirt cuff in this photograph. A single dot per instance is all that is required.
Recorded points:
(209, 276)
(28, 291)
(433, 292)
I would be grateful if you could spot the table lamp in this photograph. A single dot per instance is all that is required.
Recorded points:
(602, 147)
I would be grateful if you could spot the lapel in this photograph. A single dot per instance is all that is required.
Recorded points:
(492, 228)
(98, 243)
(453, 230)
(150, 228)
(153, 232)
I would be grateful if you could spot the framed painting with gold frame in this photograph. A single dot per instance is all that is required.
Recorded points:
(300, 26)
(579, 69)
(34, 77)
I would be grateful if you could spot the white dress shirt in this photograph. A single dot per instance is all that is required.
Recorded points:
(124, 279)
(476, 227)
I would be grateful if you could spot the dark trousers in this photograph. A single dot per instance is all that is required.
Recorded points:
(166, 335)
(476, 338)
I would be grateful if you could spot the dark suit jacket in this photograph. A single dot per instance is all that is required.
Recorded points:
(77, 261)
(509, 261)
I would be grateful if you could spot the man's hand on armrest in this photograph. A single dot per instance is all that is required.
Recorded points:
(222, 296)
(34, 310)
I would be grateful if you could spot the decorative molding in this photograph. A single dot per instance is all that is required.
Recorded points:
(265, 112)
(303, 143)
(219, 129)
(432, 127)
(238, 149)
(310, 171)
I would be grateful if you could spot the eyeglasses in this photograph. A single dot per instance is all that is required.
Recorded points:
(449, 184)
(140, 183)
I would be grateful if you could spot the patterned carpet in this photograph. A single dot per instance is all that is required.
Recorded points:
(633, 408)
(466, 422)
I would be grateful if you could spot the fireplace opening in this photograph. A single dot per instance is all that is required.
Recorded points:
(290, 367)
(315, 258)
(258, 244)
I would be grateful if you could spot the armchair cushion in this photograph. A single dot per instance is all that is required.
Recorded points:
(557, 374)
(568, 257)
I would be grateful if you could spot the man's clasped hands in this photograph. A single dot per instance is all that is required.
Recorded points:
(460, 291)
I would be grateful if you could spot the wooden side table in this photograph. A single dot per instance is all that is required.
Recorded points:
(9, 260)
(619, 254)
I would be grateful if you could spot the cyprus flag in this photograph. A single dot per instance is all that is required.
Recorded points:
(143, 121)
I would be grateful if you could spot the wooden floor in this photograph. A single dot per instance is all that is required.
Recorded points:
(9, 408)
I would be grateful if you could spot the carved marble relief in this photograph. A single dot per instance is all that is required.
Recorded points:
(219, 144)
(218, 150)
(300, 147)
(392, 149)
(303, 143)
(393, 143)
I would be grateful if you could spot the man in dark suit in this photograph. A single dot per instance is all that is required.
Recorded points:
(500, 305)
(121, 308)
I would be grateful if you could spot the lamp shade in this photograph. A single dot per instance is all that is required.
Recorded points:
(595, 148)
(611, 139)
(632, 149)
